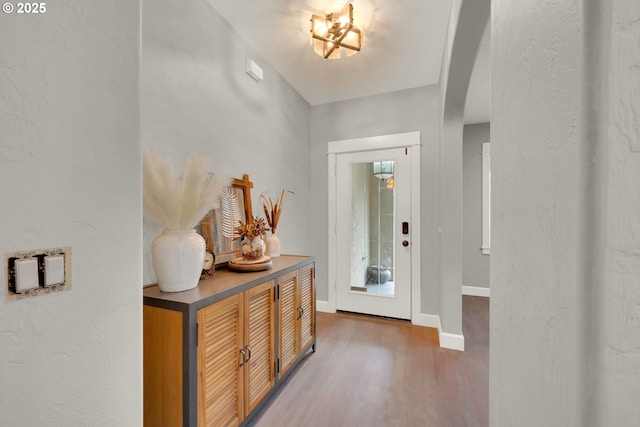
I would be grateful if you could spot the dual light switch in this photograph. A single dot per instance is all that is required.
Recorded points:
(27, 276)
(37, 272)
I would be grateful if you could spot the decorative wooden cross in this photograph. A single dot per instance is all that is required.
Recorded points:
(247, 186)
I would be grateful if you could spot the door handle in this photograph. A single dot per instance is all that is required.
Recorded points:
(244, 357)
(248, 351)
(405, 243)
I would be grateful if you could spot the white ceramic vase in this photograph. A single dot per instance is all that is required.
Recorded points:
(178, 256)
(273, 246)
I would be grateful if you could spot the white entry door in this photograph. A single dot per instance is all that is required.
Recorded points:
(373, 232)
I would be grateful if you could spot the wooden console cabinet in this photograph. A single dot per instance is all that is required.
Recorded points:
(296, 316)
(214, 354)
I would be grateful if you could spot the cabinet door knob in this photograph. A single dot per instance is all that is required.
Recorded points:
(244, 357)
(248, 351)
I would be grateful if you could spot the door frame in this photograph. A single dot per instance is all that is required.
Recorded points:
(400, 140)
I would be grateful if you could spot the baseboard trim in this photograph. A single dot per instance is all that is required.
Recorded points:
(476, 291)
(325, 306)
(451, 341)
(447, 340)
(427, 320)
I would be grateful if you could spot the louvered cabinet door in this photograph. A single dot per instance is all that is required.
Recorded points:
(288, 344)
(307, 304)
(260, 343)
(220, 377)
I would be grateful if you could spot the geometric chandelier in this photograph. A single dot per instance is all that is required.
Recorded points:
(337, 33)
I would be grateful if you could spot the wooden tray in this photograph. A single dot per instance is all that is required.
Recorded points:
(250, 267)
(242, 261)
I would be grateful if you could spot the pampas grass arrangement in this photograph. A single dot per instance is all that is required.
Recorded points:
(179, 202)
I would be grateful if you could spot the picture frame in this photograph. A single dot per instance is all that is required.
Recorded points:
(217, 226)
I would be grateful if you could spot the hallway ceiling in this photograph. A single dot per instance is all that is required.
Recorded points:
(404, 44)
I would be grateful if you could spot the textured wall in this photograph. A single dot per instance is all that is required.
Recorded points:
(397, 112)
(475, 265)
(620, 367)
(565, 263)
(535, 297)
(197, 97)
(70, 173)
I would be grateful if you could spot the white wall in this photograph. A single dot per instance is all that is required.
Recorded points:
(397, 112)
(535, 295)
(70, 173)
(565, 334)
(475, 265)
(197, 97)
(618, 147)
(454, 15)
(470, 20)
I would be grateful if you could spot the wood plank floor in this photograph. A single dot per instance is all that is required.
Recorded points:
(369, 371)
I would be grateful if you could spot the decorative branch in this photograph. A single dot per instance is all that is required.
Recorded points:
(272, 210)
(251, 229)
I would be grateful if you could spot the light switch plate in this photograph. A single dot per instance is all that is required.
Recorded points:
(53, 270)
(35, 272)
(26, 274)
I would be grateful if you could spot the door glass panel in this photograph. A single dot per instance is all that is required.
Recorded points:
(372, 227)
